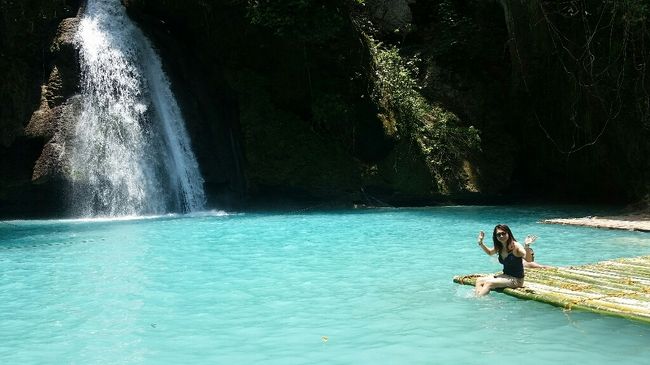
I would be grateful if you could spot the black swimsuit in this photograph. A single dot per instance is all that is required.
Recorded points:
(512, 265)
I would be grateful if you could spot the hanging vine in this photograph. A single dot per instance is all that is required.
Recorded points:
(601, 48)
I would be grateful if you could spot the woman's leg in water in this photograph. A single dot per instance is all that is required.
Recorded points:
(495, 283)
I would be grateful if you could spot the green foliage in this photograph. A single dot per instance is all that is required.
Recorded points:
(307, 20)
(456, 33)
(395, 87)
(436, 132)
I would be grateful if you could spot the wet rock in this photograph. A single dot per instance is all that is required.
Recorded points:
(65, 34)
(56, 124)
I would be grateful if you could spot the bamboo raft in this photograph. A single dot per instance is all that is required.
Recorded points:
(615, 287)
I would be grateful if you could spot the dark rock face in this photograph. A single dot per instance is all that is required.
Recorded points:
(39, 72)
(582, 120)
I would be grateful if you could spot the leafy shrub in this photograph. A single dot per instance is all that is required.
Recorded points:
(437, 133)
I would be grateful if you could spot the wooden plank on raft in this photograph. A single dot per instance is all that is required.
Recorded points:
(615, 287)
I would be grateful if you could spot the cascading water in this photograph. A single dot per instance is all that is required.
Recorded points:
(131, 153)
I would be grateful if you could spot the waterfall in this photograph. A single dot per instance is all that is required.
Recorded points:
(130, 154)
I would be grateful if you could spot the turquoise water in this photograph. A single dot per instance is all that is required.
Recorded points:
(265, 289)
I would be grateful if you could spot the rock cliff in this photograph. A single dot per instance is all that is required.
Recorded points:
(399, 102)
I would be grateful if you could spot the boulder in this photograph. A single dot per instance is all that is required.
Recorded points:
(391, 15)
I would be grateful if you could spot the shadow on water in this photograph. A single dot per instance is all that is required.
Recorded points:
(40, 233)
(37, 234)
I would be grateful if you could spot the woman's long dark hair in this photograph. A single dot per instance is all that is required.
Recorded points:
(497, 245)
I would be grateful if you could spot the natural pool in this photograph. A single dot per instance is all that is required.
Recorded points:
(266, 288)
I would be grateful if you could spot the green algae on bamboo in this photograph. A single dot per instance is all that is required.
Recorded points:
(594, 281)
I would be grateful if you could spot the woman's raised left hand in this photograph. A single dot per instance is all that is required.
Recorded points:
(530, 239)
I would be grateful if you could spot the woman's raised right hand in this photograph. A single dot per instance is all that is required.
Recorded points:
(481, 235)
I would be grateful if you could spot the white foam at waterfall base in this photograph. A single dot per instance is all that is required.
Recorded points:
(131, 153)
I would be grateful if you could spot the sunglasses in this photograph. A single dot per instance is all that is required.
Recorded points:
(502, 234)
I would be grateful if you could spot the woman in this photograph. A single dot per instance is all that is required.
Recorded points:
(511, 255)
